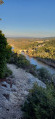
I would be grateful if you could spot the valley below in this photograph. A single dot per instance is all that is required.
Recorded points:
(27, 80)
(40, 52)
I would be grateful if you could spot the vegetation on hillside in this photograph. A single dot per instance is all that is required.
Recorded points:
(44, 75)
(23, 44)
(4, 55)
(42, 49)
(40, 103)
(47, 51)
(3, 44)
(22, 62)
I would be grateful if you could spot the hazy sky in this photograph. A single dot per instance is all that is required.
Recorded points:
(29, 18)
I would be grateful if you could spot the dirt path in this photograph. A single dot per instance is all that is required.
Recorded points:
(14, 91)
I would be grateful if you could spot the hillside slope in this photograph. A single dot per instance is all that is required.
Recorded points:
(13, 92)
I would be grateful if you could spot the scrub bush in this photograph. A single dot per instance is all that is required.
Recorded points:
(44, 75)
(40, 103)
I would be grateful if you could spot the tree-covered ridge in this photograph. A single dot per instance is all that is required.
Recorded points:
(47, 51)
(44, 48)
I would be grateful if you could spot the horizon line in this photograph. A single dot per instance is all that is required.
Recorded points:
(30, 37)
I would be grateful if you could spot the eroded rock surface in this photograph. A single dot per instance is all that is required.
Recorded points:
(13, 92)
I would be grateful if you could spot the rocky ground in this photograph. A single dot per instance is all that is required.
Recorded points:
(13, 92)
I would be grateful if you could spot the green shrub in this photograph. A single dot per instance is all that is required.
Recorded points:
(44, 75)
(8, 52)
(40, 104)
(13, 58)
(8, 72)
(5, 51)
(22, 62)
(3, 43)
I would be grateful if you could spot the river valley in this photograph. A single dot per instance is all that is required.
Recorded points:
(39, 64)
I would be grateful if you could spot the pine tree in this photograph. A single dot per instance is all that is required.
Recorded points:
(3, 44)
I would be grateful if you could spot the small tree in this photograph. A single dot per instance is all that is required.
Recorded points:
(1, 2)
(3, 44)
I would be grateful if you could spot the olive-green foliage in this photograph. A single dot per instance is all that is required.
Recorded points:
(53, 79)
(40, 104)
(3, 44)
(8, 72)
(8, 52)
(44, 75)
(22, 62)
(47, 51)
(19, 60)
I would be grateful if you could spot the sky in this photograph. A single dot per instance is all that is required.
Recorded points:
(28, 18)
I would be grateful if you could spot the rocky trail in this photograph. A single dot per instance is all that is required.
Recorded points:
(13, 92)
